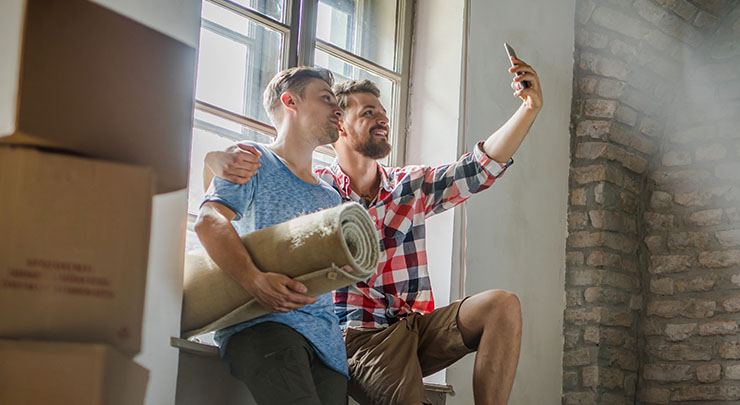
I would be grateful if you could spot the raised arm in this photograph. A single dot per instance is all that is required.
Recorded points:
(275, 292)
(236, 164)
(502, 144)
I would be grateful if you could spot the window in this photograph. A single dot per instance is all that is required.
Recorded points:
(244, 43)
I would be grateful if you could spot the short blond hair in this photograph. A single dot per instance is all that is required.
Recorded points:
(293, 80)
(343, 90)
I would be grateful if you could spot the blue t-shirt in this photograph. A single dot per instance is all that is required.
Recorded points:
(272, 196)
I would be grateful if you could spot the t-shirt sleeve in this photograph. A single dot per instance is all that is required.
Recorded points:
(235, 196)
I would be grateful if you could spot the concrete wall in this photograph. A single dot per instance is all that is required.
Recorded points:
(516, 231)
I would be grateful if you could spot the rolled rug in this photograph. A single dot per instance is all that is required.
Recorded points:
(311, 249)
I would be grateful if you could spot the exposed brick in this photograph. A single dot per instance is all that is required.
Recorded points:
(642, 100)
(595, 150)
(570, 380)
(716, 259)
(580, 316)
(574, 298)
(607, 220)
(730, 350)
(681, 7)
(660, 200)
(591, 334)
(614, 318)
(701, 198)
(620, 22)
(578, 196)
(580, 357)
(665, 309)
(612, 240)
(687, 240)
(610, 88)
(676, 332)
(591, 39)
(572, 337)
(584, 277)
(669, 264)
(653, 395)
(708, 373)
(667, 372)
(706, 393)
(676, 158)
(636, 141)
(574, 258)
(697, 283)
(668, 23)
(658, 221)
(650, 328)
(600, 258)
(603, 66)
(681, 352)
(706, 20)
(729, 237)
(579, 398)
(650, 127)
(706, 217)
(732, 372)
(626, 115)
(630, 386)
(697, 308)
(630, 203)
(587, 84)
(623, 359)
(695, 176)
(600, 108)
(662, 286)
(733, 214)
(711, 152)
(636, 302)
(577, 220)
(597, 129)
(728, 171)
(732, 305)
(718, 328)
(655, 243)
(594, 173)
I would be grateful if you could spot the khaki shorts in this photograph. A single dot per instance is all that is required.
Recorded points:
(386, 366)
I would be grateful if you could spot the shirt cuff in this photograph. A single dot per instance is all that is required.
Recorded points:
(493, 167)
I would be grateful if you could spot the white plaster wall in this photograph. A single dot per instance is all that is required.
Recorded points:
(11, 25)
(433, 121)
(516, 231)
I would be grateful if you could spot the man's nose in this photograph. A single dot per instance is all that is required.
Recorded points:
(338, 112)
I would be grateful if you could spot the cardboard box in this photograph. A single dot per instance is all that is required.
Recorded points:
(73, 248)
(68, 373)
(80, 77)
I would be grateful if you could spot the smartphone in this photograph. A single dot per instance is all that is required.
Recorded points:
(510, 52)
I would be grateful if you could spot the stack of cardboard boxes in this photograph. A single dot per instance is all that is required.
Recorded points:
(101, 121)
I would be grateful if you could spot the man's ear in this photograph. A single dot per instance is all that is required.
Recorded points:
(288, 100)
(340, 128)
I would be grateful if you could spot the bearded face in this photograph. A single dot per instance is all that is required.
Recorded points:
(366, 126)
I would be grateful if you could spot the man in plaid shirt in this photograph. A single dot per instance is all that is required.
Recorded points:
(393, 333)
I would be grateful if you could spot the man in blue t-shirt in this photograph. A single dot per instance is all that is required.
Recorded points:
(295, 353)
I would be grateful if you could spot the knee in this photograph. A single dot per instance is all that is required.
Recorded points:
(504, 308)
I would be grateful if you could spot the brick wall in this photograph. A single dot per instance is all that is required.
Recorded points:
(637, 258)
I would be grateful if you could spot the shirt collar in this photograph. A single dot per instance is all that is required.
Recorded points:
(343, 181)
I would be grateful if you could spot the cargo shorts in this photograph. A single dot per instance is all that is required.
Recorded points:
(386, 366)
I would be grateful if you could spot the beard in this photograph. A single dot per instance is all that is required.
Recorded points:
(372, 147)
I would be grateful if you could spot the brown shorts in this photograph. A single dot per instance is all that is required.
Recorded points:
(386, 366)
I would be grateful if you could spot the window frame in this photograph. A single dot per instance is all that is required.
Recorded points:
(299, 34)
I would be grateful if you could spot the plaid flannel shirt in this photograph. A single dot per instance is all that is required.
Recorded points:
(407, 196)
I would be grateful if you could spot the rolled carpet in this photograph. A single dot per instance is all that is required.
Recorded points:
(311, 249)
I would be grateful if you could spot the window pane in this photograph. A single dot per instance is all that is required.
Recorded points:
(344, 71)
(270, 8)
(237, 58)
(365, 28)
